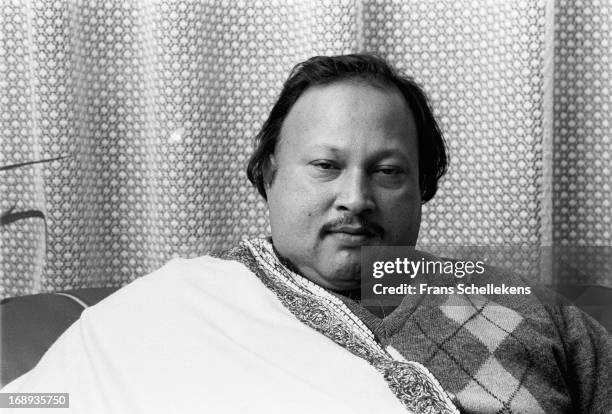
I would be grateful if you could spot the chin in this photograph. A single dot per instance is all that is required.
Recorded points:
(346, 276)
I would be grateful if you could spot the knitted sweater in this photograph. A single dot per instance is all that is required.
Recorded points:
(504, 353)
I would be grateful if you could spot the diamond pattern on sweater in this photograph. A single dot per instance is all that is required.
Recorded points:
(503, 392)
(492, 388)
(489, 322)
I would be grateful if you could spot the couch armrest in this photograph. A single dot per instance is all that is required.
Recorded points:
(30, 324)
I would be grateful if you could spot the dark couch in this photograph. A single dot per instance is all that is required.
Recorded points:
(30, 324)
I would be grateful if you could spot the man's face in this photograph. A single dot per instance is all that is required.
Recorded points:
(345, 174)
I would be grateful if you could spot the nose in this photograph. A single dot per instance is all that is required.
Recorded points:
(354, 193)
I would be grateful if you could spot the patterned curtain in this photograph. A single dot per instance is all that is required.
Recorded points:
(149, 109)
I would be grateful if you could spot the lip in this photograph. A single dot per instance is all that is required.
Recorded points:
(352, 236)
(354, 231)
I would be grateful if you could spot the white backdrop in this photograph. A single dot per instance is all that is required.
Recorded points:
(156, 103)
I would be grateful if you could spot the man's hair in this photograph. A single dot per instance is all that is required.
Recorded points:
(324, 70)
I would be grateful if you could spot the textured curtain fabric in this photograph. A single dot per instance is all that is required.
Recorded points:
(155, 105)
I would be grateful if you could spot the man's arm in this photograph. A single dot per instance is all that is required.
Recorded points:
(588, 349)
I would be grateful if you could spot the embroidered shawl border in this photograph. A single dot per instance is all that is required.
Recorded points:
(411, 382)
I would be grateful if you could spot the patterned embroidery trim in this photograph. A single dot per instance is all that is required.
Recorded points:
(265, 252)
(412, 383)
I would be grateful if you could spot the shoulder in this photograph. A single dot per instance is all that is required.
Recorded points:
(174, 287)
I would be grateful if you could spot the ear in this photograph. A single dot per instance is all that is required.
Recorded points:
(269, 172)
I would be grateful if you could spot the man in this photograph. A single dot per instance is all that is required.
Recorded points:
(347, 156)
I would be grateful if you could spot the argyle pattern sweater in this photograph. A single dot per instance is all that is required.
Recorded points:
(504, 353)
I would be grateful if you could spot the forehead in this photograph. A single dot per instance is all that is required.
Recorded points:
(349, 113)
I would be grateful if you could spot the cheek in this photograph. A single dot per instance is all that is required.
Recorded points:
(399, 204)
(301, 196)
(401, 212)
(296, 206)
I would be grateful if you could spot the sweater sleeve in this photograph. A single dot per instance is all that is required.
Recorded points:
(588, 350)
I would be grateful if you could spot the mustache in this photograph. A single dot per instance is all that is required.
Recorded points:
(367, 226)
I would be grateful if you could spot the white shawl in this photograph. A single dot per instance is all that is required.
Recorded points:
(203, 335)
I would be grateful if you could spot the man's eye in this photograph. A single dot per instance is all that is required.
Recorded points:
(391, 171)
(324, 165)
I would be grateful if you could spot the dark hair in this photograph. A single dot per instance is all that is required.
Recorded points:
(322, 70)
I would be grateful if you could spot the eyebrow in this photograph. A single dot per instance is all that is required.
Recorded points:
(390, 152)
(325, 147)
(386, 152)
